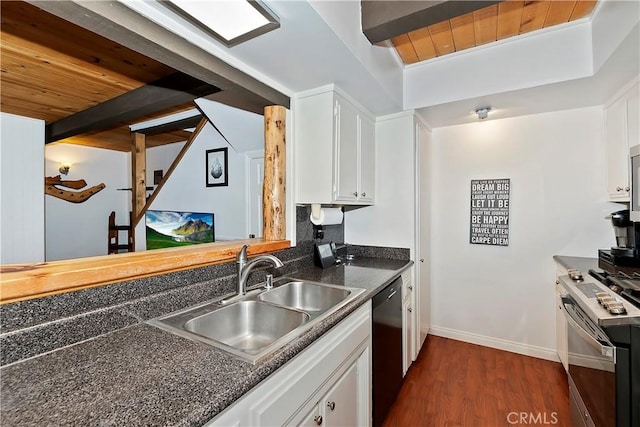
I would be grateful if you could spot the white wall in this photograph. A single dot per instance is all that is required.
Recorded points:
(186, 189)
(390, 222)
(161, 158)
(76, 230)
(504, 296)
(21, 189)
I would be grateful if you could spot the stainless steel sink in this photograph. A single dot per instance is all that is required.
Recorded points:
(248, 326)
(260, 322)
(305, 296)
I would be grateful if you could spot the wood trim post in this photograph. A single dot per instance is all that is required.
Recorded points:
(138, 174)
(274, 185)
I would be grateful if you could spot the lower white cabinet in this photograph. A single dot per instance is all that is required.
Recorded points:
(337, 407)
(409, 323)
(327, 384)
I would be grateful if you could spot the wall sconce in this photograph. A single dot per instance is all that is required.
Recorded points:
(64, 168)
(483, 112)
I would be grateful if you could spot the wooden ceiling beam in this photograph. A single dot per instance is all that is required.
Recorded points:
(385, 19)
(164, 93)
(116, 22)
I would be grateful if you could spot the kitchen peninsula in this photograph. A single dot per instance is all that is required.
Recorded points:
(139, 374)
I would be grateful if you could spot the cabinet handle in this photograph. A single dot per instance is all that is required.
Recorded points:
(619, 188)
(364, 194)
(332, 405)
(410, 287)
(557, 282)
(410, 310)
(318, 419)
(421, 259)
(627, 188)
(355, 193)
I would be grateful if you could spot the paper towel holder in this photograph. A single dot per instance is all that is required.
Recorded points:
(326, 216)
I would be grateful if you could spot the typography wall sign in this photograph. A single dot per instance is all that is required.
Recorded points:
(490, 212)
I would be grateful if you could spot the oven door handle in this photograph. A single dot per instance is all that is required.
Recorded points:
(605, 347)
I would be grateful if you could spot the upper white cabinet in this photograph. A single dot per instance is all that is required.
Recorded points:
(622, 131)
(334, 149)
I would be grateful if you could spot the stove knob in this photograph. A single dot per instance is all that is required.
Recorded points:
(575, 275)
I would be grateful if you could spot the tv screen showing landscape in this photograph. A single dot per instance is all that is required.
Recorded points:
(166, 229)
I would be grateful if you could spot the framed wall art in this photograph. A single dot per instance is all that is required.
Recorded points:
(216, 167)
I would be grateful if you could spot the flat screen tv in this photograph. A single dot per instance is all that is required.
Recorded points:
(166, 229)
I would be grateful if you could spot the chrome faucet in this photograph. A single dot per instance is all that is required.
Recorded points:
(245, 266)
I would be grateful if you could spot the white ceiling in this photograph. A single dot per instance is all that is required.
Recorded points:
(321, 42)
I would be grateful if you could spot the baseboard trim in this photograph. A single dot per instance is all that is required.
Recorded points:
(497, 343)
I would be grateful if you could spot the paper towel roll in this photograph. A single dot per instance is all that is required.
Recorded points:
(326, 216)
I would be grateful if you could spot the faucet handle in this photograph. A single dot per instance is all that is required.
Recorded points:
(242, 255)
(268, 281)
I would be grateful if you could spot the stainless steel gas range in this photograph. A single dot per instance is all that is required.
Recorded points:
(603, 318)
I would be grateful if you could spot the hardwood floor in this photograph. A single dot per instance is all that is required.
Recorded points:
(453, 383)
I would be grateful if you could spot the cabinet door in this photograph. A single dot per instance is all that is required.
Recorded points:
(346, 151)
(407, 335)
(617, 152)
(313, 418)
(367, 156)
(340, 404)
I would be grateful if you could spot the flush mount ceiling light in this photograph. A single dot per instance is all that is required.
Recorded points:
(229, 21)
(483, 112)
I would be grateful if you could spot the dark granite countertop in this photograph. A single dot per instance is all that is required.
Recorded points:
(141, 375)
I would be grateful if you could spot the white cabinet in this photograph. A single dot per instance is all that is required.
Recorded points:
(337, 407)
(622, 116)
(334, 149)
(409, 323)
(327, 384)
(561, 321)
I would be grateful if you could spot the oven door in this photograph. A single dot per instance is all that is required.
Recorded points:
(592, 363)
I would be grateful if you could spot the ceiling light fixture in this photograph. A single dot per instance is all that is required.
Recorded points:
(483, 112)
(229, 21)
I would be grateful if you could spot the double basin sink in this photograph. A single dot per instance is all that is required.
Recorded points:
(262, 321)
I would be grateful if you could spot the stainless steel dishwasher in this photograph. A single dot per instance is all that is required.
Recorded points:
(387, 349)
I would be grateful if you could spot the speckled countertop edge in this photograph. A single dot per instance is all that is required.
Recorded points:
(142, 375)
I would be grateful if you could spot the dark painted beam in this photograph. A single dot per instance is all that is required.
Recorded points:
(385, 19)
(168, 92)
(117, 22)
(189, 122)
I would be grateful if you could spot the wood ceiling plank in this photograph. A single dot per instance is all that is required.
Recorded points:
(559, 12)
(405, 49)
(30, 23)
(442, 38)
(59, 99)
(463, 32)
(509, 17)
(119, 138)
(533, 15)
(27, 108)
(485, 23)
(53, 62)
(582, 9)
(422, 44)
